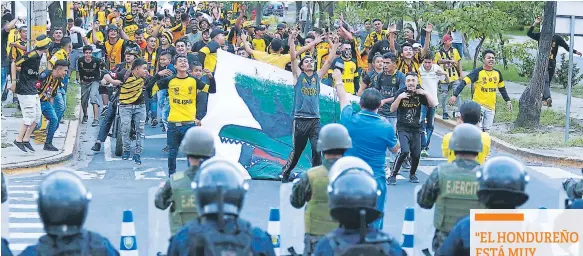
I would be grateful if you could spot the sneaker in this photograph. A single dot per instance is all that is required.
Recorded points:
(154, 123)
(27, 145)
(95, 123)
(104, 111)
(424, 153)
(19, 145)
(445, 116)
(126, 155)
(84, 119)
(137, 159)
(413, 178)
(165, 149)
(50, 147)
(392, 180)
(549, 102)
(96, 147)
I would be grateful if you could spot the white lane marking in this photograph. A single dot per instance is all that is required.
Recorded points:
(86, 175)
(23, 206)
(32, 192)
(161, 174)
(25, 235)
(141, 175)
(25, 225)
(433, 159)
(157, 136)
(555, 173)
(16, 199)
(22, 186)
(23, 215)
(426, 169)
(17, 247)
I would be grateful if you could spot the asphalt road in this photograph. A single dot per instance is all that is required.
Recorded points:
(117, 185)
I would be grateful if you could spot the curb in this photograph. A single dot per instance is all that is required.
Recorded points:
(51, 161)
(572, 162)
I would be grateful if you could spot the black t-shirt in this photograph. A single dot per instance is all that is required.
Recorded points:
(29, 73)
(388, 85)
(54, 47)
(409, 111)
(90, 72)
(4, 44)
(198, 45)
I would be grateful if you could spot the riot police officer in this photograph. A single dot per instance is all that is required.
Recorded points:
(451, 187)
(62, 204)
(353, 194)
(219, 189)
(333, 141)
(501, 185)
(176, 193)
(573, 188)
(5, 247)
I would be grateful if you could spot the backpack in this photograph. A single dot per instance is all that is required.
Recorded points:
(369, 248)
(218, 244)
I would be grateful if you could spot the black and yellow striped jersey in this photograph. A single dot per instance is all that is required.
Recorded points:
(208, 55)
(132, 91)
(486, 82)
(48, 85)
(374, 37)
(182, 95)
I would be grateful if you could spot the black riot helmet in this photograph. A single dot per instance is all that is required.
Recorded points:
(62, 203)
(219, 188)
(502, 183)
(353, 195)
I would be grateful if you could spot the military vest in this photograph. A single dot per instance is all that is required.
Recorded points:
(458, 188)
(317, 217)
(184, 206)
(85, 243)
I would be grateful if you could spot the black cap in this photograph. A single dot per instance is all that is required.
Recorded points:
(198, 14)
(111, 27)
(260, 28)
(216, 32)
(280, 26)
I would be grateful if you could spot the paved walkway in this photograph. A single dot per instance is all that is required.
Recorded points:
(13, 158)
(559, 100)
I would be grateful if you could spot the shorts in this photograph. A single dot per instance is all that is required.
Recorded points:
(89, 93)
(103, 90)
(30, 107)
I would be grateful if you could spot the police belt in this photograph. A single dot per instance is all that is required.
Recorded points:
(181, 123)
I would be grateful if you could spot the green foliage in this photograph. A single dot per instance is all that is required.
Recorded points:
(563, 73)
(524, 11)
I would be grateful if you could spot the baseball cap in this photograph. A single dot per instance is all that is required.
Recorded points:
(446, 37)
(260, 28)
(416, 45)
(280, 26)
(216, 32)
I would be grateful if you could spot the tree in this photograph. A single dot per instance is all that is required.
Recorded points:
(530, 104)
(480, 20)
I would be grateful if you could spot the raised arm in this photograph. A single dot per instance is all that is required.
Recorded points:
(427, 43)
(340, 91)
(392, 33)
(294, 60)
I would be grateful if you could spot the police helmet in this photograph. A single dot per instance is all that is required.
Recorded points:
(334, 136)
(219, 188)
(466, 138)
(62, 202)
(502, 182)
(198, 142)
(348, 163)
(352, 192)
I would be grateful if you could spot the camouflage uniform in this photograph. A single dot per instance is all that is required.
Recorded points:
(164, 197)
(432, 191)
(302, 194)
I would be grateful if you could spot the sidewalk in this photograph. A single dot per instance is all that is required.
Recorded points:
(559, 101)
(14, 159)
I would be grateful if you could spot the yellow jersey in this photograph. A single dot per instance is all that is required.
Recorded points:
(348, 76)
(278, 60)
(182, 96)
(486, 144)
(451, 69)
(259, 44)
(101, 18)
(486, 82)
(374, 37)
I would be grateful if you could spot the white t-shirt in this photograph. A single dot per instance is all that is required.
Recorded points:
(430, 79)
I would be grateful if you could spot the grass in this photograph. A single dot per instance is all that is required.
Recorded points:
(576, 91)
(10, 105)
(72, 98)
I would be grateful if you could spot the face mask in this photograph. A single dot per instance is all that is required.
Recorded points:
(346, 54)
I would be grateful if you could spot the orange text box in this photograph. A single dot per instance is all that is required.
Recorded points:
(499, 217)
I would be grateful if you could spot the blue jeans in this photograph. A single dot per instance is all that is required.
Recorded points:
(3, 80)
(460, 48)
(163, 106)
(427, 125)
(107, 122)
(174, 137)
(382, 183)
(60, 104)
(49, 112)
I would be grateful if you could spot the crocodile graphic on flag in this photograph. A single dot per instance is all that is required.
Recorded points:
(251, 114)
